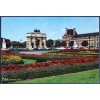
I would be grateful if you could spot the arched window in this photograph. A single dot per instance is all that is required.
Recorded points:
(71, 43)
(84, 43)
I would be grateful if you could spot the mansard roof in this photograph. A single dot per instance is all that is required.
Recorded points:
(70, 32)
(87, 34)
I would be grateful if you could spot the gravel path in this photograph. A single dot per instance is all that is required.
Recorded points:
(32, 52)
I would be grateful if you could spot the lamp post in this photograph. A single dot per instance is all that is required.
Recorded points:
(89, 42)
(11, 44)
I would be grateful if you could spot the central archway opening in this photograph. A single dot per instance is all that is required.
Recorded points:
(84, 43)
(71, 43)
(32, 45)
(42, 45)
(37, 43)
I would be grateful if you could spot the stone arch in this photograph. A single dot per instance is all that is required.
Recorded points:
(32, 45)
(71, 43)
(84, 43)
(42, 45)
(37, 43)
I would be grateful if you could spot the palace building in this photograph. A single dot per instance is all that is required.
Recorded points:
(87, 40)
(36, 39)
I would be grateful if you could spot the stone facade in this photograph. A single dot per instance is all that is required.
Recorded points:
(87, 40)
(36, 39)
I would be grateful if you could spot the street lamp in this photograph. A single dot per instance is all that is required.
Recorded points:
(89, 42)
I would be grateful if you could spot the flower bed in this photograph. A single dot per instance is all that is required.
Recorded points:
(7, 52)
(95, 50)
(49, 68)
(88, 52)
(46, 57)
(5, 60)
(51, 64)
(71, 50)
(76, 52)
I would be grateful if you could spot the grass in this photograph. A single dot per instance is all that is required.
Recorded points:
(59, 54)
(29, 61)
(85, 77)
(71, 54)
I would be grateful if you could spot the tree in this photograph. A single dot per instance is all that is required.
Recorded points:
(71, 43)
(15, 43)
(58, 44)
(24, 44)
(49, 43)
(18, 44)
(84, 43)
(8, 43)
(1, 39)
(63, 43)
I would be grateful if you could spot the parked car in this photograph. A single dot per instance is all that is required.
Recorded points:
(35, 49)
(60, 48)
(26, 49)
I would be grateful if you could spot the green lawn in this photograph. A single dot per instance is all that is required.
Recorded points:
(71, 54)
(29, 61)
(90, 76)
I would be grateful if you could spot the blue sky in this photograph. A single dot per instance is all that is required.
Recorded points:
(15, 28)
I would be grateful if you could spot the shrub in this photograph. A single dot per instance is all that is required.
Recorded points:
(45, 57)
(49, 68)
(38, 72)
(5, 60)
(5, 52)
(88, 52)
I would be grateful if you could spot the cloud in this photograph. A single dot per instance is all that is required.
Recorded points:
(97, 29)
(51, 35)
(62, 29)
(65, 24)
(45, 24)
(69, 25)
(97, 20)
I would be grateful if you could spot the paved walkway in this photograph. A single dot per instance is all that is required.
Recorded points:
(32, 52)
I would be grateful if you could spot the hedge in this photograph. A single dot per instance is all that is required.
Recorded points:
(31, 73)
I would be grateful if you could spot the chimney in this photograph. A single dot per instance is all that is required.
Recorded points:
(66, 30)
(74, 30)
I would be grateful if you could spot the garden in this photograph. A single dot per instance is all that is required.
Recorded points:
(18, 67)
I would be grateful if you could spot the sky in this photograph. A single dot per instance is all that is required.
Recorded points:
(16, 28)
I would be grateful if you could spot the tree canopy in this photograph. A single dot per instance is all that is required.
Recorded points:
(49, 43)
(63, 43)
(57, 44)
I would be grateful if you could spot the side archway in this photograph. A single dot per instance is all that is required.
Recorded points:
(84, 43)
(42, 45)
(37, 43)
